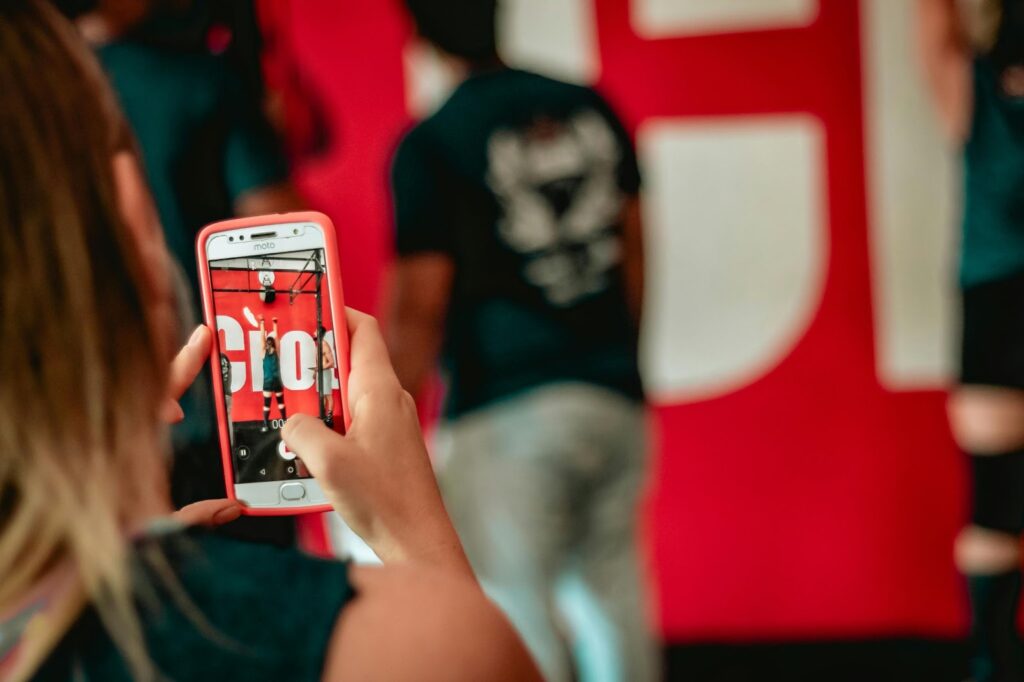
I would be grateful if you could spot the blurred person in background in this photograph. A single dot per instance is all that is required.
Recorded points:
(520, 263)
(98, 580)
(974, 58)
(208, 153)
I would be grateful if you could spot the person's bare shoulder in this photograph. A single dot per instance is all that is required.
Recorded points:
(410, 623)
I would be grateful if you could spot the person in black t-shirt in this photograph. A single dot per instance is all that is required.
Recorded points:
(520, 264)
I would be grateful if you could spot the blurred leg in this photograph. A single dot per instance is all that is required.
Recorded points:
(266, 410)
(609, 555)
(988, 422)
(507, 497)
(280, 405)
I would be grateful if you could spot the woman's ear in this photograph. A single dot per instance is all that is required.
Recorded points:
(140, 217)
(133, 199)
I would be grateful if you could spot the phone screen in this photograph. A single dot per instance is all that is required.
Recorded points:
(278, 357)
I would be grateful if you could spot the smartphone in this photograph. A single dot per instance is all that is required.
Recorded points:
(271, 290)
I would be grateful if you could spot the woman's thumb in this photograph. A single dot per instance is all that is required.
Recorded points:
(316, 444)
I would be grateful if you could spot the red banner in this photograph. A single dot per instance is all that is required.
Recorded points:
(808, 500)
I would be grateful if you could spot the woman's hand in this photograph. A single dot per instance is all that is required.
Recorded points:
(184, 369)
(209, 513)
(378, 475)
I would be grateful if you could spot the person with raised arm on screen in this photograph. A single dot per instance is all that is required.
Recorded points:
(272, 384)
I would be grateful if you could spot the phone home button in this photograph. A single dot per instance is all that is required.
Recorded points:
(293, 491)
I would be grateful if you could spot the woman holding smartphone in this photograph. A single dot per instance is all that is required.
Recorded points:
(98, 580)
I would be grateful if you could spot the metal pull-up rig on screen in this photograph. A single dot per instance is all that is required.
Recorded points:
(308, 267)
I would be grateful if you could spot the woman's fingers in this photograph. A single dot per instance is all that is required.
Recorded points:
(371, 368)
(189, 362)
(319, 447)
(378, 477)
(171, 412)
(209, 513)
(184, 369)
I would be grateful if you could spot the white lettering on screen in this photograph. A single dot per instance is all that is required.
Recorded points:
(234, 339)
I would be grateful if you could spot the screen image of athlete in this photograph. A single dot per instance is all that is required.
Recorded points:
(271, 374)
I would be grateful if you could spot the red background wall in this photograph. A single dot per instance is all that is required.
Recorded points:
(811, 503)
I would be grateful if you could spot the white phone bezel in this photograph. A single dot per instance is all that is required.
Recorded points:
(239, 243)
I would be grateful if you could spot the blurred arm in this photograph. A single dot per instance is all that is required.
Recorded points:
(945, 54)
(421, 286)
(411, 623)
(256, 170)
(277, 198)
(633, 256)
(328, 356)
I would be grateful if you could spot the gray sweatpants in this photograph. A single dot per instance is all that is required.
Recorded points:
(543, 488)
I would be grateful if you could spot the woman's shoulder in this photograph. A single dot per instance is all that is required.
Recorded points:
(198, 550)
(214, 608)
(208, 563)
(413, 623)
(255, 592)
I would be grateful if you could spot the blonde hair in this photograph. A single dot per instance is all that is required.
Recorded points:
(82, 362)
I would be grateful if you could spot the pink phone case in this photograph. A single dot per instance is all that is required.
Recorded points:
(341, 341)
